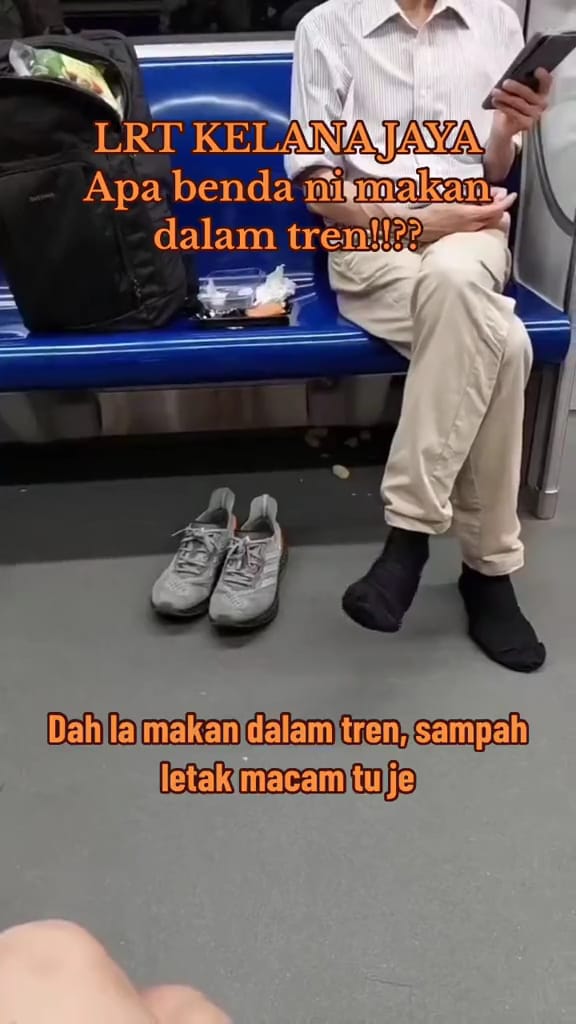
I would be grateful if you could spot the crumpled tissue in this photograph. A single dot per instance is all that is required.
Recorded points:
(276, 288)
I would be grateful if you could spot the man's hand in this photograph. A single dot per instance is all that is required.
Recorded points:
(519, 108)
(441, 219)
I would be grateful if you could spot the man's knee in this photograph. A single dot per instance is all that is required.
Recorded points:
(444, 272)
(459, 262)
(49, 946)
(177, 1004)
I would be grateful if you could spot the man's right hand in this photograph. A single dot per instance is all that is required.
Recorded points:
(441, 219)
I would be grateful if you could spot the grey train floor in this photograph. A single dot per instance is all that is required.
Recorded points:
(455, 905)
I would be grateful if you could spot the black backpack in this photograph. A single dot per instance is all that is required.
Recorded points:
(73, 265)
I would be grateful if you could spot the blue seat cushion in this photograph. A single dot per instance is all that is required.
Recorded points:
(320, 343)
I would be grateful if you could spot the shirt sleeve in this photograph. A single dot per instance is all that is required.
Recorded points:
(319, 88)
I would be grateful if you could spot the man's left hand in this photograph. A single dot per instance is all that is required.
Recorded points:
(519, 107)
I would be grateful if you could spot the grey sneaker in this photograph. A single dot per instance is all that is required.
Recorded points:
(246, 595)
(184, 588)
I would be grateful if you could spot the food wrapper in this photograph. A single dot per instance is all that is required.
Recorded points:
(29, 62)
(277, 288)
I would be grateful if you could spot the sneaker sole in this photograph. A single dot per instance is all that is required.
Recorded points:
(191, 613)
(265, 618)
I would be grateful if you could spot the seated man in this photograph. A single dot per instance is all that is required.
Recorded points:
(455, 458)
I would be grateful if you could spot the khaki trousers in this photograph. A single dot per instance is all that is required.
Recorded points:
(457, 451)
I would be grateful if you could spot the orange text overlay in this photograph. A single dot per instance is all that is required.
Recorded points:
(382, 232)
(121, 193)
(220, 779)
(285, 731)
(314, 138)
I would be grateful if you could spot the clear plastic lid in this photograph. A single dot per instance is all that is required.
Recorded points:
(225, 291)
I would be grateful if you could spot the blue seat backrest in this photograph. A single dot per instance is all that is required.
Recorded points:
(255, 88)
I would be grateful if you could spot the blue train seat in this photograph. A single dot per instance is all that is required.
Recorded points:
(321, 343)
(242, 86)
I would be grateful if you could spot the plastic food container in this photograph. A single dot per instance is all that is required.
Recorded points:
(222, 293)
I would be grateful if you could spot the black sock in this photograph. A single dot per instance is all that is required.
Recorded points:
(496, 623)
(383, 596)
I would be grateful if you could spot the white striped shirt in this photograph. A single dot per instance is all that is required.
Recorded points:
(363, 60)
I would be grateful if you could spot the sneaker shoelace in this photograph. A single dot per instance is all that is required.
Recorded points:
(245, 562)
(197, 547)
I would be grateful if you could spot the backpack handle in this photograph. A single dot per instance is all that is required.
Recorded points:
(60, 30)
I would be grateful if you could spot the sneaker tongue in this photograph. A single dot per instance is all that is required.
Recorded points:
(204, 527)
(253, 534)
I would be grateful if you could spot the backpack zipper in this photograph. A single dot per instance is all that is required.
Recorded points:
(135, 283)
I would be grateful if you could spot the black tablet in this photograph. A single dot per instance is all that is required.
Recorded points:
(541, 51)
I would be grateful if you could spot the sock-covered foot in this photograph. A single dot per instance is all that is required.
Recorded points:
(383, 596)
(496, 623)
